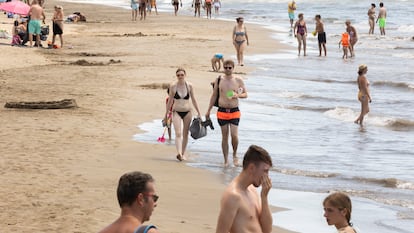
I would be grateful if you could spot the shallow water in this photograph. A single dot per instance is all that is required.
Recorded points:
(301, 109)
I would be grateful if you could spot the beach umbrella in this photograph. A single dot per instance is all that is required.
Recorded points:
(15, 7)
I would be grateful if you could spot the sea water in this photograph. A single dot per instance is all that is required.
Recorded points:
(301, 109)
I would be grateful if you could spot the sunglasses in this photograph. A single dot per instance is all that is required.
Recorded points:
(180, 75)
(228, 67)
(154, 197)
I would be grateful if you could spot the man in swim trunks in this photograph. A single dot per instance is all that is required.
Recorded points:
(229, 88)
(382, 16)
(291, 12)
(36, 16)
(319, 28)
(137, 199)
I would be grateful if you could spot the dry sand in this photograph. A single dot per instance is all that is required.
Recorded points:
(59, 168)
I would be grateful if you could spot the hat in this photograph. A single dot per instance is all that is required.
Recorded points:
(362, 67)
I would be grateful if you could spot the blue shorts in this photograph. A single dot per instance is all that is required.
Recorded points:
(34, 26)
(218, 55)
(291, 15)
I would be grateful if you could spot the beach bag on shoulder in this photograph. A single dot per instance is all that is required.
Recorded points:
(216, 103)
(197, 129)
(144, 228)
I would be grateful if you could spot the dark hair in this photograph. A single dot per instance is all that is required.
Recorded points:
(239, 18)
(130, 185)
(373, 4)
(180, 69)
(228, 62)
(381, 4)
(318, 16)
(341, 201)
(256, 154)
(16, 23)
(300, 15)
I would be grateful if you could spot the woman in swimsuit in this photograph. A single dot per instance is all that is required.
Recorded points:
(371, 18)
(240, 39)
(300, 33)
(353, 37)
(180, 94)
(338, 207)
(363, 95)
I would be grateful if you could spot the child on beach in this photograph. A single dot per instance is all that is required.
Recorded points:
(338, 207)
(345, 44)
(216, 62)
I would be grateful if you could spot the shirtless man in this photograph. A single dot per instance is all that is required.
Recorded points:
(36, 15)
(242, 209)
(229, 88)
(382, 15)
(137, 199)
(319, 28)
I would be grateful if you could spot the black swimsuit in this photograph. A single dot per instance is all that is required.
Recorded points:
(177, 96)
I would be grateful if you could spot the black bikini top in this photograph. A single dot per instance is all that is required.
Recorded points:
(177, 96)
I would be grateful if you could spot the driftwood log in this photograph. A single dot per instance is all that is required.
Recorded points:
(66, 103)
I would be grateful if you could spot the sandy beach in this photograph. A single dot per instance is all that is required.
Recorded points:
(59, 168)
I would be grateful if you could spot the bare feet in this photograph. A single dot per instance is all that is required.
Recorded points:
(235, 161)
(179, 157)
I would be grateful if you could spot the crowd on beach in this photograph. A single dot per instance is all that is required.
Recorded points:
(243, 209)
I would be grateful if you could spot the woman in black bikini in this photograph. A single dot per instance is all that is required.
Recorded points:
(180, 94)
(300, 33)
(240, 39)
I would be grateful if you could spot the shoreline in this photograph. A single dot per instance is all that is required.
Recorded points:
(64, 164)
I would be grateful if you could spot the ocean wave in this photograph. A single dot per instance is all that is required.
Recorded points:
(400, 85)
(387, 182)
(392, 123)
(296, 172)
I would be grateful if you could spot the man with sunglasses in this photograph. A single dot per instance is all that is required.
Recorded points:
(137, 199)
(229, 88)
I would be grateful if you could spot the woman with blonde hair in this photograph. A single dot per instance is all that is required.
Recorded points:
(337, 211)
(180, 94)
(363, 94)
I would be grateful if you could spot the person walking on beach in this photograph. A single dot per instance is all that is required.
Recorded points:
(300, 33)
(371, 18)
(137, 199)
(319, 28)
(381, 20)
(197, 6)
(58, 25)
(337, 211)
(180, 93)
(208, 5)
(228, 89)
(291, 12)
(353, 36)
(242, 208)
(363, 94)
(37, 15)
(217, 6)
(142, 9)
(134, 7)
(175, 4)
(240, 40)
(153, 5)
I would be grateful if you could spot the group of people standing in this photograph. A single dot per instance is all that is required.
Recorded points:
(31, 26)
(348, 39)
(142, 6)
(242, 207)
